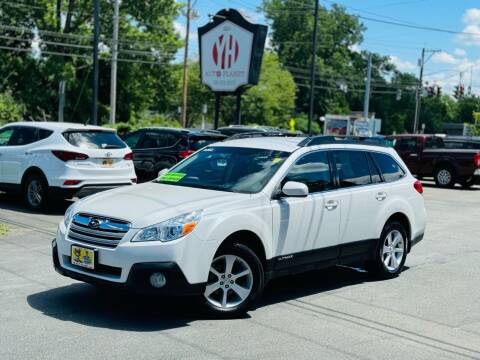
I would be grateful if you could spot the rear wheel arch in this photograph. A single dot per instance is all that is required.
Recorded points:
(402, 219)
(33, 170)
(444, 164)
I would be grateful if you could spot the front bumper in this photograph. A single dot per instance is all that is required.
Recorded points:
(138, 277)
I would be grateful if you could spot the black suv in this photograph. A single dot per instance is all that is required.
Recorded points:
(158, 148)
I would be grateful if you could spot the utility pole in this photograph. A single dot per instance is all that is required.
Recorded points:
(185, 67)
(471, 81)
(366, 100)
(96, 37)
(418, 103)
(312, 68)
(113, 77)
(61, 99)
(419, 93)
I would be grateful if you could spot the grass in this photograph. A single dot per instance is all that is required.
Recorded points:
(4, 229)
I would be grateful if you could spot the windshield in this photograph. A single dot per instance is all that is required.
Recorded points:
(234, 169)
(94, 139)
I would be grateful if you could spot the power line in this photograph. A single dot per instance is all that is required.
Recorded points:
(56, 53)
(418, 27)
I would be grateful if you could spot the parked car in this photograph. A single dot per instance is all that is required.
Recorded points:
(427, 156)
(43, 160)
(160, 148)
(240, 129)
(462, 142)
(226, 220)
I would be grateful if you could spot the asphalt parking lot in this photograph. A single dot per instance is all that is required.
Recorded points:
(432, 311)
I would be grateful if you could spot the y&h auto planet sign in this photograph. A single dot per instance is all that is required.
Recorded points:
(231, 50)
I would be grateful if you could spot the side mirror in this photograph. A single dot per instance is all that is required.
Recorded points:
(162, 172)
(295, 189)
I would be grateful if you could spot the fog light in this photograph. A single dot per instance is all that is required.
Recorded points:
(158, 280)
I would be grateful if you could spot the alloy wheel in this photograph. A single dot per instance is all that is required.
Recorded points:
(35, 193)
(393, 250)
(230, 282)
(444, 177)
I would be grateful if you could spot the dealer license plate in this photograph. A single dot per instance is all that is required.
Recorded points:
(83, 257)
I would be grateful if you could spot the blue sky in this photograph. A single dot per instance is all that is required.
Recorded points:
(459, 53)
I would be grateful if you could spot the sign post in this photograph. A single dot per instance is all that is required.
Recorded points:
(231, 51)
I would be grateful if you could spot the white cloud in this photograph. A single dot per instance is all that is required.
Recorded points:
(473, 36)
(460, 52)
(443, 57)
(471, 18)
(449, 79)
(355, 48)
(182, 30)
(252, 16)
(402, 65)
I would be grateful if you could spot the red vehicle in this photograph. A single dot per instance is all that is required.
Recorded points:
(427, 156)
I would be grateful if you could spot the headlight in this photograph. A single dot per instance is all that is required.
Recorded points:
(68, 215)
(171, 229)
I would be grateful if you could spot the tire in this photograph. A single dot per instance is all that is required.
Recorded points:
(36, 192)
(389, 259)
(227, 294)
(445, 176)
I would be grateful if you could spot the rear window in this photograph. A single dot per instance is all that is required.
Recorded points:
(461, 145)
(434, 143)
(197, 143)
(352, 168)
(388, 166)
(94, 139)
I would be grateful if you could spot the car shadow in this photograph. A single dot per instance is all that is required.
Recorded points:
(14, 202)
(107, 308)
(114, 309)
(314, 282)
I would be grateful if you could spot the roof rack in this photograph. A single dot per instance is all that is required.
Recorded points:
(322, 140)
(261, 134)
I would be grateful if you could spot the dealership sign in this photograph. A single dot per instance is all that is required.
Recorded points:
(231, 50)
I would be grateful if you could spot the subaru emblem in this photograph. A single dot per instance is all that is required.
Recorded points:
(94, 223)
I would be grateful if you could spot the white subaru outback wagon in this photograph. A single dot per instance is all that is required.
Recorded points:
(236, 214)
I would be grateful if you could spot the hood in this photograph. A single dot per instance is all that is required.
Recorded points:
(151, 203)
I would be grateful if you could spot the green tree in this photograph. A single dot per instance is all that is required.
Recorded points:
(291, 23)
(465, 108)
(10, 110)
(61, 31)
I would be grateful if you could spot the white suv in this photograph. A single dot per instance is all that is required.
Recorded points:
(47, 159)
(224, 221)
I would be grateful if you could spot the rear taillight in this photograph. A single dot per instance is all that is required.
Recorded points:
(71, 182)
(185, 153)
(418, 186)
(69, 155)
(476, 160)
(128, 156)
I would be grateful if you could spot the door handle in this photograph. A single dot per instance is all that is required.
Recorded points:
(381, 196)
(331, 205)
(413, 155)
